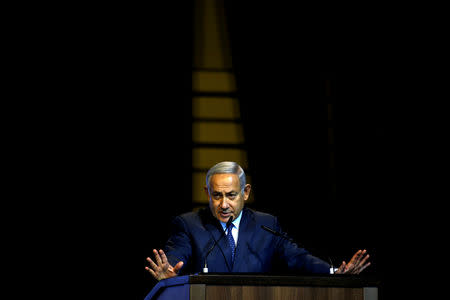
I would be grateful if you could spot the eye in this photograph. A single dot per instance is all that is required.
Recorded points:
(232, 195)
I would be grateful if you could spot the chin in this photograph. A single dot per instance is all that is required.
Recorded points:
(224, 219)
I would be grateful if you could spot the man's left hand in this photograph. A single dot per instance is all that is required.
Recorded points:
(356, 265)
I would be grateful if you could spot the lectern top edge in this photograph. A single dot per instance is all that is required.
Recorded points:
(280, 280)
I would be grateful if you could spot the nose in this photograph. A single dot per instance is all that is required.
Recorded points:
(224, 204)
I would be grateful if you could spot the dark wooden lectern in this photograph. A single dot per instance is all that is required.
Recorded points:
(262, 287)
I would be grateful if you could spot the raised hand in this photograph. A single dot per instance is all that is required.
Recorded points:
(162, 269)
(356, 265)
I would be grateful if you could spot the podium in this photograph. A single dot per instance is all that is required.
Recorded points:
(263, 287)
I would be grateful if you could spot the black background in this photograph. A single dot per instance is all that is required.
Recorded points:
(109, 137)
(282, 64)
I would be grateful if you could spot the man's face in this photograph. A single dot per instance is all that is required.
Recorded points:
(225, 197)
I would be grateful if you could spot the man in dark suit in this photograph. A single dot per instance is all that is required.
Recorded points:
(227, 237)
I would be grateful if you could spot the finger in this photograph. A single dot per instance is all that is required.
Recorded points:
(158, 258)
(152, 264)
(361, 255)
(163, 257)
(341, 268)
(363, 267)
(150, 270)
(153, 273)
(360, 264)
(178, 266)
(353, 258)
(363, 261)
(356, 257)
(348, 267)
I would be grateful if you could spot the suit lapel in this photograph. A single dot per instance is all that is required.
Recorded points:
(246, 229)
(216, 231)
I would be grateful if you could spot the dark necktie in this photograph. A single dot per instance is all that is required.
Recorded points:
(231, 242)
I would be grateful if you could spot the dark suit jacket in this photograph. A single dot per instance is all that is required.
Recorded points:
(257, 250)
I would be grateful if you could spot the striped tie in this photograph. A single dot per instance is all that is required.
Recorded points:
(231, 241)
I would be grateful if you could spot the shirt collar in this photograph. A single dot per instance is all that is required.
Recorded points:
(236, 222)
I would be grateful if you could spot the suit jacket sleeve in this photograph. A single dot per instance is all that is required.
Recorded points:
(298, 259)
(178, 246)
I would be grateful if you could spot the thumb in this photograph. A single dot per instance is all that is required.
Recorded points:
(341, 268)
(178, 266)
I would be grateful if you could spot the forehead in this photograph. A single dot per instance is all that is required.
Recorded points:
(224, 182)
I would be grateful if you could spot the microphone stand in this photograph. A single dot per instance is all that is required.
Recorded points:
(205, 268)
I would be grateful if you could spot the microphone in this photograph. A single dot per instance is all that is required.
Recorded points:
(332, 268)
(283, 235)
(205, 268)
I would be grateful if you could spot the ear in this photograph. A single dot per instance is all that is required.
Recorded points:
(247, 190)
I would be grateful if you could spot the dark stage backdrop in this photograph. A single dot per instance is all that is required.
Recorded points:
(280, 83)
(288, 154)
(115, 148)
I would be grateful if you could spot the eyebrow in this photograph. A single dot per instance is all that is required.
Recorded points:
(229, 193)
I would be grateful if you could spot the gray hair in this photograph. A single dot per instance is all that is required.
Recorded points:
(227, 167)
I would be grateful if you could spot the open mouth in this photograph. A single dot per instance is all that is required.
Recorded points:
(225, 215)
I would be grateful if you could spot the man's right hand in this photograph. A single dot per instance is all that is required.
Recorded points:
(162, 269)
